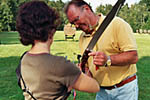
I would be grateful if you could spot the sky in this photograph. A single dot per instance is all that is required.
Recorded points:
(95, 3)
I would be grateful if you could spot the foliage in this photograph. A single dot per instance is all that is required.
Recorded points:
(104, 9)
(6, 17)
(13, 5)
(132, 14)
(137, 15)
(147, 2)
(59, 5)
(9, 8)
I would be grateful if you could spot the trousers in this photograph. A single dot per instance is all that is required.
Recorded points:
(128, 91)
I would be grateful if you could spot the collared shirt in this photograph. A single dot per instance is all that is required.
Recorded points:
(117, 38)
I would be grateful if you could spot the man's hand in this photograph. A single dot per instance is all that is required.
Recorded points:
(121, 59)
(99, 58)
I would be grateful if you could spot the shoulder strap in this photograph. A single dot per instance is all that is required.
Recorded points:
(26, 89)
(20, 78)
(18, 70)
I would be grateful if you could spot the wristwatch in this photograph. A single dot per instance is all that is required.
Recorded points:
(108, 62)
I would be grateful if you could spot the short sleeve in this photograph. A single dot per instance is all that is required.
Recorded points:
(67, 72)
(125, 38)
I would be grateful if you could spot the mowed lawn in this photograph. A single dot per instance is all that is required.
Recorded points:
(11, 49)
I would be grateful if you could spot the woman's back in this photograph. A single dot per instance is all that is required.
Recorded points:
(48, 76)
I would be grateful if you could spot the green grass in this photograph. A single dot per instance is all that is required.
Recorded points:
(10, 53)
(9, 38)
(143, 66)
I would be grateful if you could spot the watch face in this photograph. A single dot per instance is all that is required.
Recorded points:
(109, 61)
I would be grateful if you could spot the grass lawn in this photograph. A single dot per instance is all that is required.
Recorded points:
(10, 53)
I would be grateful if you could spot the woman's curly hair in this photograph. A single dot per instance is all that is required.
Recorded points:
(35, 21)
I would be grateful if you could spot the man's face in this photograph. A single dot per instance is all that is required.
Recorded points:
(77, 16)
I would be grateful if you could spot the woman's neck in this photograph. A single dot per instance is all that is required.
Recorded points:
(40, 47)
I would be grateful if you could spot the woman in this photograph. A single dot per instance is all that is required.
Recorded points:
(47, 77)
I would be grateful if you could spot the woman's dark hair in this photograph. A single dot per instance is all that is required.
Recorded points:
(77, 3)
(35, 21)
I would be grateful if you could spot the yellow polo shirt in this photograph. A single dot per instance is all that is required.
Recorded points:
(117, 38)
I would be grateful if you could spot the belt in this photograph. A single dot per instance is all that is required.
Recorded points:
(125, 81)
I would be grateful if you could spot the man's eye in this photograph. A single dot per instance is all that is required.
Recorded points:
(75, 20)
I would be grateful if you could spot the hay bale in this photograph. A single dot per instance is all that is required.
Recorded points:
(137, 31)
(148, 31)
(140, 31)
(145, 31)
(69, 29)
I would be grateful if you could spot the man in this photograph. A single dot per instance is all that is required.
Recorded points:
(115, 52)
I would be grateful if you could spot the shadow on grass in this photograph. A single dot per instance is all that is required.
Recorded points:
(59, 53)
(9, 41)
(144, 77)
(144, 62)
(16, 41)
(9, 89)
(59, 40)
(66, 40)
(9, 38)
(6, 43)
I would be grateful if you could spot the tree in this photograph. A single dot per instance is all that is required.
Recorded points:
(13, 6)
(6, 17)
(59, 5)
(147, 2)
(104, 9)
(9, 8)
(137, 15)
(100, 9)
(145, 13)
(129, 14)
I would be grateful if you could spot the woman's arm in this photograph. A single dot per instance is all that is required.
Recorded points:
(86, 84)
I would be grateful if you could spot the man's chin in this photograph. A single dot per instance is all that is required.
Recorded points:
(87, 32)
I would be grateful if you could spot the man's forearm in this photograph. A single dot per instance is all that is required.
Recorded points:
(125, 58)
